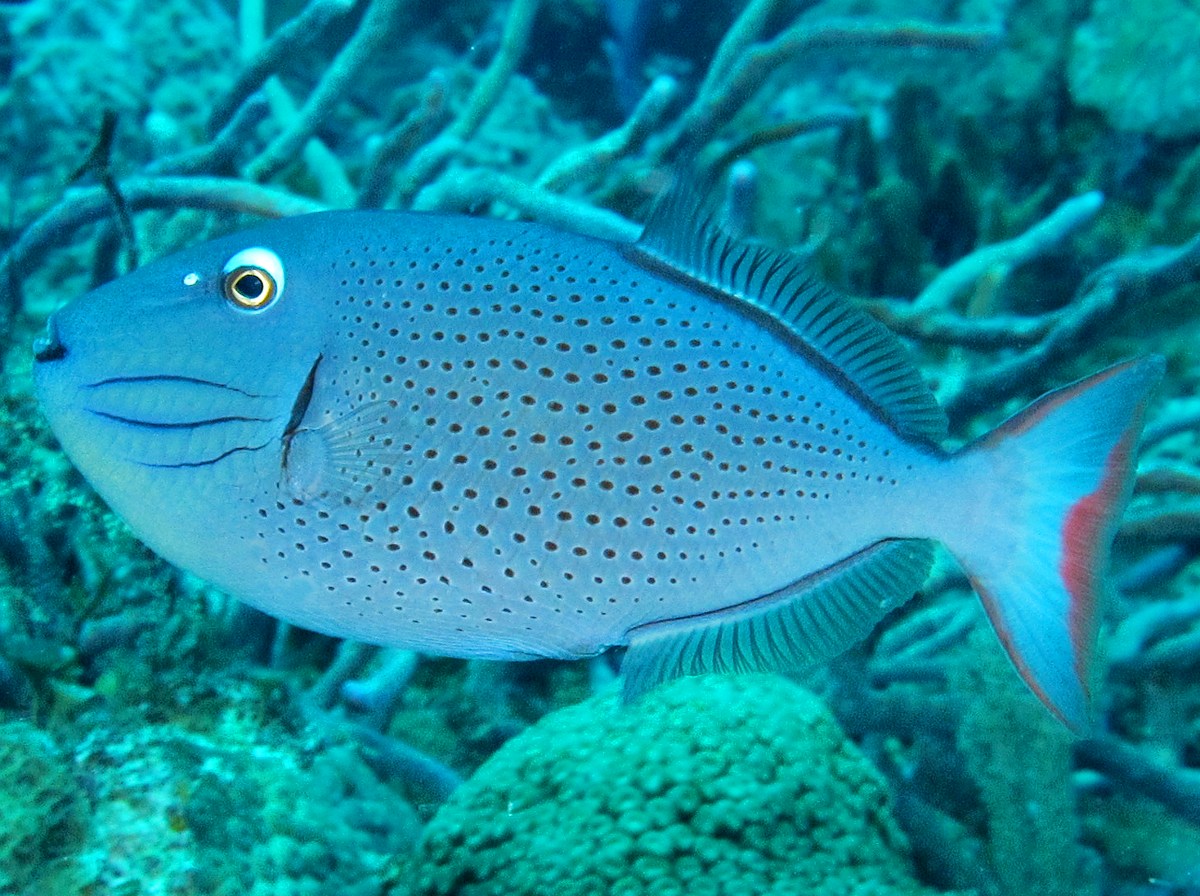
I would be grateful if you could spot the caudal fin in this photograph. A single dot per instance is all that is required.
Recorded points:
(1042, 497)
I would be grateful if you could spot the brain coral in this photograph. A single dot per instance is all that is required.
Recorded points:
(706, 786)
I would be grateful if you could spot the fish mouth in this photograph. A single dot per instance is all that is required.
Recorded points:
(49, 346)
(154, 418)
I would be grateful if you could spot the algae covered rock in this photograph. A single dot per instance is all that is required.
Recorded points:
(162, 810)
(1137, 63)
(156, 65)
(44, 811)
(244, 814)
(706, 786)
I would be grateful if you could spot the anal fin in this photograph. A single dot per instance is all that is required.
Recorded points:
(810, 620)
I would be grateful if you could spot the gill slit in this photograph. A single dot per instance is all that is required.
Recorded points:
(299, 409)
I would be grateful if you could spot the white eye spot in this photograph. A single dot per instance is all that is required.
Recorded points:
(253, 279)
(191, 279)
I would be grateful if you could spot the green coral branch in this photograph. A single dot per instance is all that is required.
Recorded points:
(399, 143)
(368, 39)
(472, 188)
(430, 158)
(294, 36)
(725, 95)
(583, 163)
(325, 166)
(87, 206)
(1003, 257)
(1131, 769)
(1116, 287)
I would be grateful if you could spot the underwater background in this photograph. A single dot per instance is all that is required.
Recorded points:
(1012, 185)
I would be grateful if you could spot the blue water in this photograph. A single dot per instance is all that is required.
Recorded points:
(1011, 186)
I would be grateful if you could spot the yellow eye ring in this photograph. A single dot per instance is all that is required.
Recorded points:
(252, 279)
(250, 288)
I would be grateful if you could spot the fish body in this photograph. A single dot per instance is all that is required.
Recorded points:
(496, 439)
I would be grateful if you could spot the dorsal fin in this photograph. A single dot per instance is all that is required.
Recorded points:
(684, 236)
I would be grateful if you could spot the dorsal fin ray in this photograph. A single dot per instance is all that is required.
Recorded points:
(684, 236)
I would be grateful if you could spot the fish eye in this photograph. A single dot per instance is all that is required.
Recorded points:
(252, 279)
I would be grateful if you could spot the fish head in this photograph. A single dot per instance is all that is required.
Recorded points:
(174, 388)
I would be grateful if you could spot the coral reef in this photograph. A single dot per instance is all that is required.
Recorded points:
(235, 817)
(1009, 184)
(1021, 763)
(45, 810)
(241, 811)
(164, 84)
(720, 786)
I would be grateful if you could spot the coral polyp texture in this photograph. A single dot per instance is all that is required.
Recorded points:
(714, 786)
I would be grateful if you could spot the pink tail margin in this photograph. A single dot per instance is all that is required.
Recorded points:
(1042, 496)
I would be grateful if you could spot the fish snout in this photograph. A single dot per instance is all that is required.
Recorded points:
(49, 346)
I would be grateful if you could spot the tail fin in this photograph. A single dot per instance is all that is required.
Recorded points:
(1045, 491)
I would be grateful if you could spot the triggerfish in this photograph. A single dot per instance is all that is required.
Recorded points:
(496, 439)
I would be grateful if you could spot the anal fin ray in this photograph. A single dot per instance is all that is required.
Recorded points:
(803, 623)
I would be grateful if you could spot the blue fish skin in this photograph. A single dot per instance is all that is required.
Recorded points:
(496, 439)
